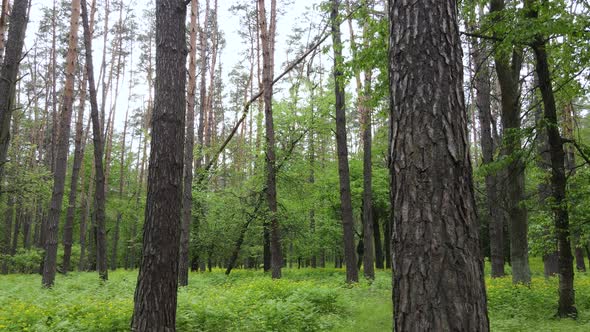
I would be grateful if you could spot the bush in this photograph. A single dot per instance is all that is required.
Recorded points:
(24, 261)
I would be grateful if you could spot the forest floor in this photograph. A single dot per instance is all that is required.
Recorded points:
(304, 300)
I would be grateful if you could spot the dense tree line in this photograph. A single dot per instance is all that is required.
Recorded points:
(424, 138)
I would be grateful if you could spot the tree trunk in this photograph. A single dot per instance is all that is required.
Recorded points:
(78, 157)
(342, 149)
(8, 218)
(550, 257)
(4, 13)
(566, 306)
(63, 147)
(387, 222)
(368, 252)
(157, 283)
(99, 198)
(267, 37)
(9, 72)
(187, 198)
(312, 182)
(437, 269)
(377, 241)
(493, 212)
(508, 78)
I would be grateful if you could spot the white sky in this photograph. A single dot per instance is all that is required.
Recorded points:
(228, 23)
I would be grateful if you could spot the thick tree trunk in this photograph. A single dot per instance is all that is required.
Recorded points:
(8, 73)
(267, 37)
(566, 306)
(508, 71)
(157, 283)
(342, 149)
(63, 147)
(99, 199)
(187, 197)
(438, 278)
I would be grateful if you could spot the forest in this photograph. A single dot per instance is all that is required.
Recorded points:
(282, 165)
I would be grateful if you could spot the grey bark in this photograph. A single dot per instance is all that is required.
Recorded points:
(438, 278)
(156, 292)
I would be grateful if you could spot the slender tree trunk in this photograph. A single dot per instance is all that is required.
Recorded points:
(377, 241)
(78, 157)
(187, 198)
(438, 278)
(387, 236)
(8, 218)
(61, 156)
(342, 150)
(508, 71)
(157, 283)
(101, 241)
(54, 113)
(267, 37)
(550, 257)
(16, 229)
(8, 73)
(4, 13)
(103, 66)
(566, 306)
(312, 183)
(558, 183)
(368, 252)
(493, 211)
(114, 254)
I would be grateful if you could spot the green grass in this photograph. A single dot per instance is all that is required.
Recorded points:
(304, 300)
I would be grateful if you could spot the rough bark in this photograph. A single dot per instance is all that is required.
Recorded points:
(437, 270)
(63, 146)
(156, 292)
(508, 71)
(267, 37)
(187, 197)
(8, 73)
(342, 149)
(99, 192)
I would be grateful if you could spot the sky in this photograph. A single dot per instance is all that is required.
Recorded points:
(293, 15)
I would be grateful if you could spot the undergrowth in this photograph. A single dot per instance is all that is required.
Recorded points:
(304, 300)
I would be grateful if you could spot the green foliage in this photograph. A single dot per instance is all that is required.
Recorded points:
(305, 300)
(24, 261)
